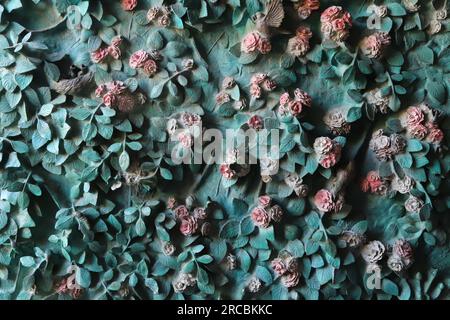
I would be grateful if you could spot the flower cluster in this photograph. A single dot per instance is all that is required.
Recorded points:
(160, 15)
(377, 100)
(373, 183)
(299, 45)
(129, 5)
(141, 59)
(225, 94)
(325, 201)
(234, 165)
(113, 51)
(256, 122)
(191, 219)
(335, 24)
(183, 282)
(306, 7)
(186, 126)
(353, 239)
(254, 285)
(336, 122)
(296, 183)
(69, 285)
(374, 45)
(420, 126)
(402, 256)
(385, 147)
(373, 252)
(264, 212)
(328, 151)
(254, 41)
(286, 266)
(294, 106)
(116, 95)
(260, 82)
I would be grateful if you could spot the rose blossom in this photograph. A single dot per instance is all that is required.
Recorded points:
(138, 59)
(228, 83)
(100, 91)
(303, 97)
(116, 87)
(373, 251)
(150, 67)
(269, 85)
(258, 78)
(255, 91)
(414, 116)
(403, 249)
(129, 5)
(330, 13)
(181, 212)
(227, 172)
(295, 107)
(297, 46)
(222, 97)
(185, 139)
(403, 186)
(250, 42)
(276, 213)
(278, 266)
(260, 217)
(188, 225)
(323, 145)
(284, 98)
(99, 55)
(324, 200)
(255, 122)
(398, 143)
(290, 280)
(254, 285)
(380, 11)
(413, 204)
(109, 99)
(164, 20)
(435, 134)
(330, 159)
(168, 249)
(418, 131)
(190, 119)
(264, 45)
(116, 41)
(264, 201)
(353, 239)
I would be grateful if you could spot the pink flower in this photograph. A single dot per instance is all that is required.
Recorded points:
(264, 45)
(138, 59)
(255, 122)
(290, 279)
(303, 97)
(129, 5)
(109, 99)
(329, 160)
(260, 217)
(227, 172)
(374, 180)
(269, 85)
(264, 201)
(414, 115)
(330, 13)
(181, 212)
(222, 97)
(323, 145)
(365, 185)
(190, 119)
(324, 200)
(338, 24)
(303, 33)
(188, 225)
(418, 131)
(258, 78)
(278, 266)
(255, 91)
(100, 91)
(116, 87)
(250, 42)
(185, 139)
(403, 249)
(435, 135)
(99, 55)
(284, 98)
(295, 107)
(114, 52)
(150, 67)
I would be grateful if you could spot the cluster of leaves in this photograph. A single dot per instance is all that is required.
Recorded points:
(84, 187)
